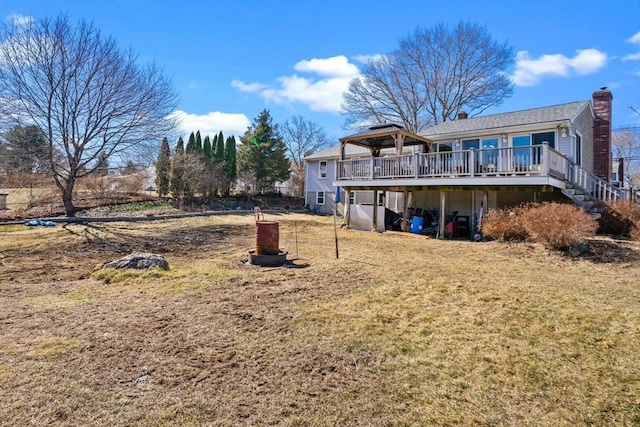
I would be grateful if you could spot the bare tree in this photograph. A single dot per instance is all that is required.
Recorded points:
(626, 146)
(434, 74)
(302, 138)
(89, 97)
(190, 169)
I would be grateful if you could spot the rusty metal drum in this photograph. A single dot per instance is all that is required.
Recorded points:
(267, 238)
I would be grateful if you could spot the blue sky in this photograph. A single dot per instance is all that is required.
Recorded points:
(230, 59)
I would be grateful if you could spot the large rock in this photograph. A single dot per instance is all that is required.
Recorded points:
(140, 262)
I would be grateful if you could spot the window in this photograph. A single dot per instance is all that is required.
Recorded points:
(320, 198)
(548, 137)
(323, 169)
(445, 147)
(468, 144)
(490, 153)
(578, 149)
(352, 198)
(521, 156)
(381, 198)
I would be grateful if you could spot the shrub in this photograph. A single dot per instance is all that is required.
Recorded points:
(557, 225)
(621, 217)
(505, 224)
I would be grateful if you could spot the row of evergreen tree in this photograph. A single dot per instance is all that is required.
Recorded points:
(211, 167)
(205, 167)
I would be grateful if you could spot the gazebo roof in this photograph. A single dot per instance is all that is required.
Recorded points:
(382, 136)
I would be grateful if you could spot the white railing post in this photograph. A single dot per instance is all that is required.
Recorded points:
(545, 159)
(472, 162)
(373, 164)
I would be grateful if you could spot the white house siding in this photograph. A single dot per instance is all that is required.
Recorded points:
(565, 145)
(584, 125)
(315, 184)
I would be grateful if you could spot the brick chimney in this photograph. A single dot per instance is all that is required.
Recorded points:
(602, 134)
(462, 115)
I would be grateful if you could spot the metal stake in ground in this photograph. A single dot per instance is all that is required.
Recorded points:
(335, 209)
(295, 228)
(335, 231)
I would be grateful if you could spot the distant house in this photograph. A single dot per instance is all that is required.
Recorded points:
(469, 165)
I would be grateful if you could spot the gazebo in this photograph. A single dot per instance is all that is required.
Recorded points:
(377, 138)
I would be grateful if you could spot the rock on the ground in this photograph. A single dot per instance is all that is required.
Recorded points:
(140, 261)
(578, 250)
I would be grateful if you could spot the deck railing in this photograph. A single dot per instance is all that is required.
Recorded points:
(592, 185)
(491, 161)
(531, 160)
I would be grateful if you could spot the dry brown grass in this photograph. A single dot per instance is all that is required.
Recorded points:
(398, 331)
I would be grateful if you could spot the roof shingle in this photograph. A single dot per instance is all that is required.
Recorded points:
(516, 118)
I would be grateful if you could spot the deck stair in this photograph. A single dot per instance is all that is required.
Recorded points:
(589, 191)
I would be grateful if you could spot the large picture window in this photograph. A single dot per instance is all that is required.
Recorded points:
(521, 156)
(489, 156)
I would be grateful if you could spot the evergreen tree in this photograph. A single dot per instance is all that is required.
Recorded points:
(26, 150)
(262, 153)
(208, 187)
(191, 144)
(177, 171)
(207, 152)
(180, 146)
(230, 168)
(163, 168)
(219, 153)
(198, 143)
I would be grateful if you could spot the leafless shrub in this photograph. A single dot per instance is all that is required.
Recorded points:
(621, 217)
(504, 224)
(559, 226)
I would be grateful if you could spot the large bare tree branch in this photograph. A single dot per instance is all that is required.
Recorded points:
(434, 74)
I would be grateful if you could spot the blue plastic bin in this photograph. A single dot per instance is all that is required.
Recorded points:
(416, 224)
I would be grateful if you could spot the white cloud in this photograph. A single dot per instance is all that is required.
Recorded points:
(18, 19)
(212, 123)
(635, 39)
(336, 66)
(366, 58)
(248, 87)
(321, 90)
(529, 70)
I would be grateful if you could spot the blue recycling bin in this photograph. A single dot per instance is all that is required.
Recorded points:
(416, 224)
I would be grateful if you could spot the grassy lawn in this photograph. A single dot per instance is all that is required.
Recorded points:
(401, 330)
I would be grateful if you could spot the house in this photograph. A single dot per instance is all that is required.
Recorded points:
(469, 165)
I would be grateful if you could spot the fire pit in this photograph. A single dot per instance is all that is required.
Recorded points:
(267, 252)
